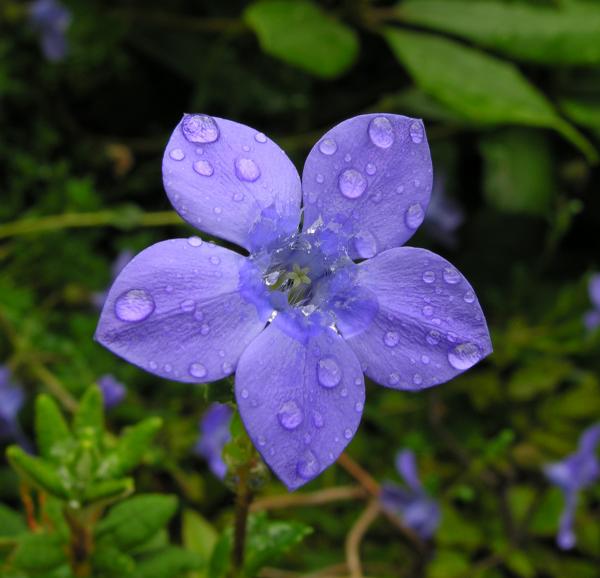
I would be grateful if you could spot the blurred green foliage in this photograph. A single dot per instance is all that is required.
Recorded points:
(510, 95)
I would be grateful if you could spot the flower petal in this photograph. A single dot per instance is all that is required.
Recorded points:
(231, 181)
(178, 310)
(589, 440)
(429, 326)
(371, 173)
(300, 400)
(407, 468)
(594, 290)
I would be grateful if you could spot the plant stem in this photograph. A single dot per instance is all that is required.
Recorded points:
(81, 543)
(242, 509)
(340, 493)
(355, 537)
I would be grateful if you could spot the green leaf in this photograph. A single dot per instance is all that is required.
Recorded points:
(39, 552)
(108, 490)
(89, 417)
(11, 522)
(131, 446)
(541, 375)
(136, 520)
(482, 88)
(582, 112)
(170, 562)
(108, 560)
(302, 34)
(458, 530)
(447, 564)
(199, 536)
(518, 171)
(221, 556)
(52, 432)
(557, 34)
(38, 472)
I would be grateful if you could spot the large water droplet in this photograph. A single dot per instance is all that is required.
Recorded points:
(391, 338)
(308, 466)
(194, 242)
(416, 132)
(451, 275)
(381, 132)
(414, 216)
(365, 244)
(464, 356)
(429, 276)
(260, 137)
(246, 170)
(352, 183)
(200, 128)
(134, 305)
(328, 146)
(329, 372)
(290, 416)
(177, 154)
(203, 168)
(197, 370)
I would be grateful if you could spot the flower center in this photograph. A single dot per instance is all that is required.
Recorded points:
(295, 283)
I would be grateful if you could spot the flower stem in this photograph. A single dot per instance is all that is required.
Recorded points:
(242, 509)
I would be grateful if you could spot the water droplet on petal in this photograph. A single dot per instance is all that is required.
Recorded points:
(244, 393)
(318, 419)
(425, 359)
(433, 337)
(370, 169)
(194, 242)
(429, 276)
(197, 370)
(215, 260)
(203, 168)
(348, 157)
(188, 306)
(177, 154)
(358, 406)
(199, 315)
(328, 146)
(308, 466)
(417, 379)
(391, 338)
(134, 305)
(416, 132)
(260, 137)
(344, 392)
(464, 356)
(469, 297)
(414, 216)
(329, 372)
(205, 329)
(365, 244)
(352, 183)
(348, 434)
(451, 275)
(200, 128)
(262, 442)
(168, 367)
(226, 367)
(320, 178)
(358, 381)
(393, 379)
(381, 132)
(428, 310)
(238, 197)
(290, 416)
(246, 170)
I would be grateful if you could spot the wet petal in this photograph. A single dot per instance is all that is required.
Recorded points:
(300, 400)
(178, 310)
(429, 326)
(373, 174)
(231, 181)
(407, 468)
(214, 434)
(594, 290)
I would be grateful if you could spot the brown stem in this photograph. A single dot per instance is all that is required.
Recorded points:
(29, 507)
(356, 535)
(81, 544)
(327, 496)
(242, 509)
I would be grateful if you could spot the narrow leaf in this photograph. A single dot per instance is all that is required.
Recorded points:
(199, 536)
(108, 490)
(90, 414)
(52, 432)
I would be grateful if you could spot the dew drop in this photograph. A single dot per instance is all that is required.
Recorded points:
(244, 393)
(318, 419)
(348, 433)
(238, 197)
(262, 442)
(393, 379)
(358, 406)
(429, 276)
(328, 146)
(320, 178)
(464, 356)
(215, 260)
(199, 315)
(416, 132)
(417, 379)
(381, 132)
(246, 170)
(203, 168)
(433, 337)
(260, 137)
(168, 367)
(358, 381)
(290, 416)
(348, 157)
(370, 169)
(425, 359)
(451, 275)
(352, 183)
(344, 392)
(200, 128)
(308, 466)
(197, 370)
(414, 216)
(177, 154)
(365, 244)
(226, 367)
(391, 338)
(427, 310)
(134, 305)
(329, 373)
(205, 329)
(194, 242)
(188, 306)
(469, 297)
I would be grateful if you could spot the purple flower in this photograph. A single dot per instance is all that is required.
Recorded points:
(592, 318)
(50, 19)
(112, 390)
(299, 320)
(11, 401)
(411, 504)
(444, 215)
(99, 297)
(576, 472)
(214, 434)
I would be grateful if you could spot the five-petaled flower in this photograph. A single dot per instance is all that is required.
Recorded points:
(50, 19)
(592, 317)
(324, 295)
(576, 472)
(411, 504)
(214, 434)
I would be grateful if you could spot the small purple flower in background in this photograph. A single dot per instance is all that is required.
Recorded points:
(576, 472)
(444, 215)
(592, 318)
(99, 297)
(309, 311)
(50, 19)
(112, 390)
(214, 434)
(11, 401)
(412, 505)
